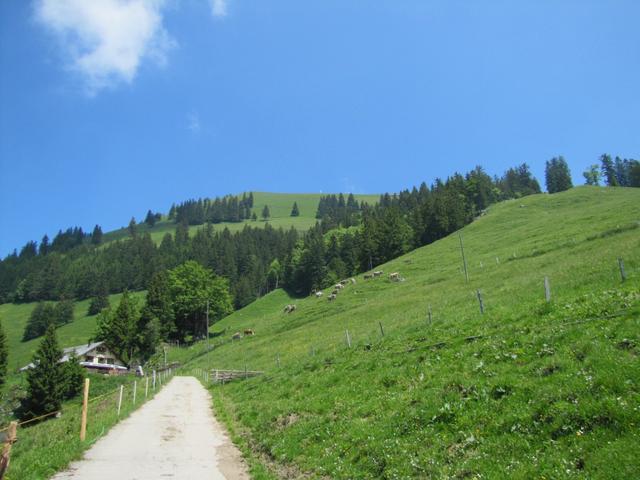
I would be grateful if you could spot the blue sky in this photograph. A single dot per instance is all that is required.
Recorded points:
(111, 107)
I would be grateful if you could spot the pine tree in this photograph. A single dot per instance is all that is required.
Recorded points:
(265, 213)
(45, 381)
(118, 328)
(96, 236)
(132, 228)
(63, 312)
(557, 175)
(608, 170)
(41, 317)
(98, 303)
(254, 217)
(3, 356)
(150, 219)
(294, 210)
(44, 246)
(250, 199)
(73, 377)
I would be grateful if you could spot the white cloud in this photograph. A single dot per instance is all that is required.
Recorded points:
(107, 40)
(193, 122)
(218, 8)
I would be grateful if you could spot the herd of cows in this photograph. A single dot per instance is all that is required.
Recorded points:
(337, 288)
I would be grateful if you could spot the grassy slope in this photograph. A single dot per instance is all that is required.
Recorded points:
(537, 396)
(14, 319)
(279, 205)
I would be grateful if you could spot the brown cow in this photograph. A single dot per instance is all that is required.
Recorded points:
(248, 331)
(368, 276)
(332, 297)
(236, 336)
(289, 308)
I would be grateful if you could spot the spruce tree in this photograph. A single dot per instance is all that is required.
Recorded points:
(608, 170)
(150, 219)
(44, 246)
(96, 236)
(98, 303)
(3, 356)
(294, 210)
(118, 328)
(254, 217)
(266, 213)
(73, 377)
(41, 317)
(132, 228)
(63, 312)
(45, 381)
(557, 175)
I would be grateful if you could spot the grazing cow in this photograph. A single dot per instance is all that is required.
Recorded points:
(394, 277)
(289, 308)
(335, 292)
(344, 282)
(352, 280)
(248, 331)
(377, 273)
(314, 291)
(332, 297)
(318, 294)
(236, 336)
(338, 286)
(368, 276)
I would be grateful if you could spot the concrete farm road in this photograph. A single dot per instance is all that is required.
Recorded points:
(174, 435)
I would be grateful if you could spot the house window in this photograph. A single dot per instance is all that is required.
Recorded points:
(88, 358)
(110, 361)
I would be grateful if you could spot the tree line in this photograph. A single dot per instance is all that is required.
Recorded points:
(230, 208)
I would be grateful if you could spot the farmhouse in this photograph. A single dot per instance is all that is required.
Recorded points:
(93, 356)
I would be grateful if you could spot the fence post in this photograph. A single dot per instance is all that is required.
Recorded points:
(120, 399)
(135, 388)
(85, 406)
(623, 274)
(6, 450)
(146, 388)
(278, 360)
(381, 329)
(480, 301)
(154, 381)
(464, 260)
(547, 289)
(348, 338)
(429, 313)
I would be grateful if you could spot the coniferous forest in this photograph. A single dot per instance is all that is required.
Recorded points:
(348, 238)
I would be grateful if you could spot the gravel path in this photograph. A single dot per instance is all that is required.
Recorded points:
(174, 435)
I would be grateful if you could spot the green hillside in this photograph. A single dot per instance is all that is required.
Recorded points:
(527, 390)
(14, 319)
(279, 205)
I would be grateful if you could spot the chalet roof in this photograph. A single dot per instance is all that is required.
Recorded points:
(67, 352)
(79, 350)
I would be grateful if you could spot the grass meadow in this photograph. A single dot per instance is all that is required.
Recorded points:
(529, 389)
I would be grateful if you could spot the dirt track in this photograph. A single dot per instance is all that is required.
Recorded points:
(173, 436)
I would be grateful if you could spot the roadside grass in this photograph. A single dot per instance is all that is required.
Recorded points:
(279, 205)
(47, 447)
(543, 390)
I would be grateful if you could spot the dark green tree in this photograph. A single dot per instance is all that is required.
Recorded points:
(557, 175)
(63, 312)
(73, 377)
(191, 286)
(608, 170)
(592, 175)
(41, 317)
(98, 303)
(3, 356)
(132, 228)
(118, 329)
(265, 213)
(44, 246)
(158, 305)
(150, 219)
(254, 217)
(45, 380)
(295, 212)
(96, 236)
